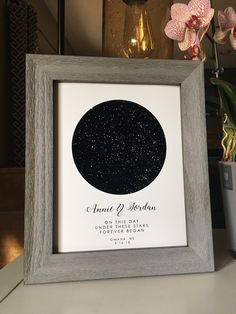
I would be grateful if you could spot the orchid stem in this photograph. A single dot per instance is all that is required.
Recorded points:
(217, 71)
(209, 38)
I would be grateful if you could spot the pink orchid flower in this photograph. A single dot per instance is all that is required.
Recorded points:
(195, 52)
(227, 24)
(187, 20)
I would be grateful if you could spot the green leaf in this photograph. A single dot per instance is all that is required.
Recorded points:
(225, 103)
(228, 96)
(230, 126)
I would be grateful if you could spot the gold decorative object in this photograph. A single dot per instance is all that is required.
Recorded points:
(135, 29)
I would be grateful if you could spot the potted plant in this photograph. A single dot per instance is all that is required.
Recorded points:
(188, 25)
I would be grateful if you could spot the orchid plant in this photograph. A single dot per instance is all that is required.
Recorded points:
(227, 27)
(188, 25)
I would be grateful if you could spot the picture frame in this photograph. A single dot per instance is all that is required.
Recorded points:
(42, 263)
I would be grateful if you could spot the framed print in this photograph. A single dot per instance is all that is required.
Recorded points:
(116, 169)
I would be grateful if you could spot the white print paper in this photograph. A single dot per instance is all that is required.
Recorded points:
(89, 219)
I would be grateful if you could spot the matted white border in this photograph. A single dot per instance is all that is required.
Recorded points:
(164, 225)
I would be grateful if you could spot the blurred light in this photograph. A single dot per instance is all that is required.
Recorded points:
(138, 39)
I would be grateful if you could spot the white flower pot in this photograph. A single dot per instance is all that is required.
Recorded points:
(228, 188)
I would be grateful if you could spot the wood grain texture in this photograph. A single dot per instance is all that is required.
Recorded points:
(41, 265)
(12, 182)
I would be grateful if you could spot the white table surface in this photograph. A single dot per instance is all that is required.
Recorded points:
(212, 293)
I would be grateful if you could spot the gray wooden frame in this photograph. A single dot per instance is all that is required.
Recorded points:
(40, 264)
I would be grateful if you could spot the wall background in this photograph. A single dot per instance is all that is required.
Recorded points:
(4, 131)
(84, 37)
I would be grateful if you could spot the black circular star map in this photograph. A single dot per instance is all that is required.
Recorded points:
(119, 147)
